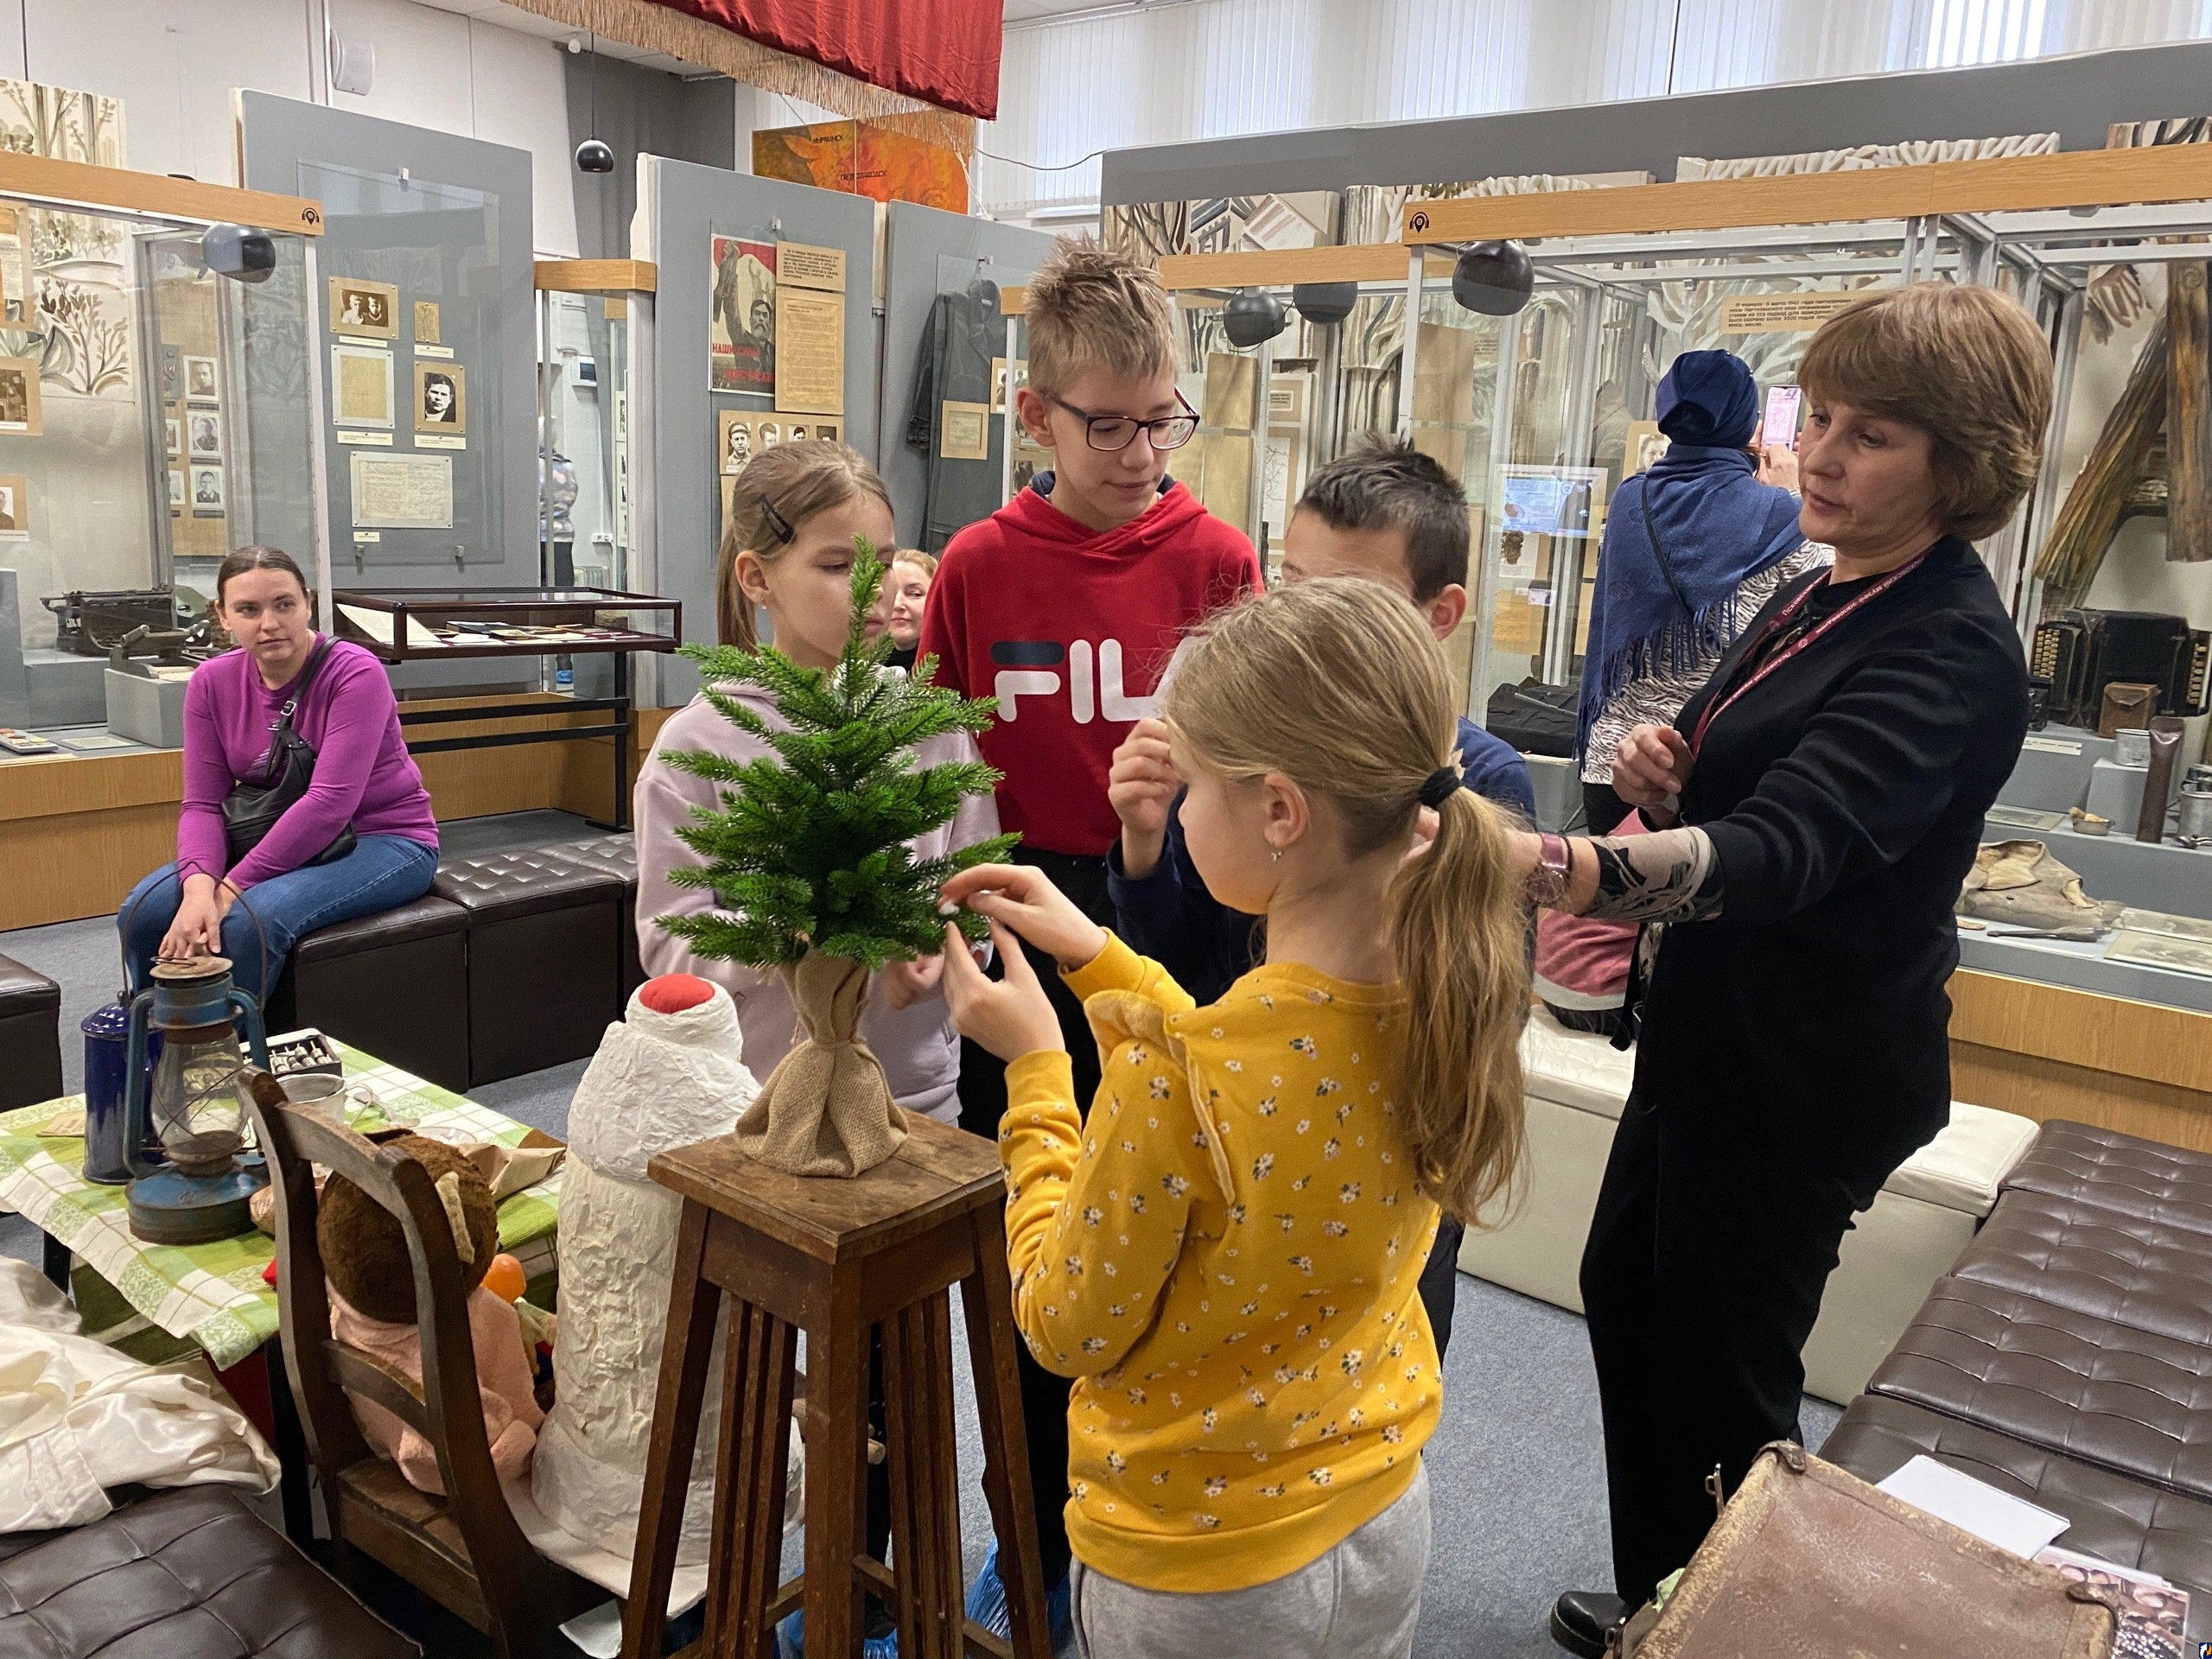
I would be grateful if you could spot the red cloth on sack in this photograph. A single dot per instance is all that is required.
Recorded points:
(1070, 629)
(945, 52)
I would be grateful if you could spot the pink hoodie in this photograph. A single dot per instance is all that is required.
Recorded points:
(919, 1050)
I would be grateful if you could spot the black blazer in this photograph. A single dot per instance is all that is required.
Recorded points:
(1845, 798)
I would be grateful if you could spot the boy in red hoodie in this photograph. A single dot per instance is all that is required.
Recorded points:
(1065, 605)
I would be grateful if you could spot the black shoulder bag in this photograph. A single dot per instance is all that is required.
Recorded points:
(250, 810)
(1659, 550)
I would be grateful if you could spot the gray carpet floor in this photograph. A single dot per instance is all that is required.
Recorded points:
(1516, 1469)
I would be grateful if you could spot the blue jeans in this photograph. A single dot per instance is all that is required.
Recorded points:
(380, 873)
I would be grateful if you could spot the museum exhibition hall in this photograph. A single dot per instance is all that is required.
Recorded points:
(1324, 829)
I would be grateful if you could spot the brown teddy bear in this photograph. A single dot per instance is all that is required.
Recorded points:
(372, 1308)
(365, 1251)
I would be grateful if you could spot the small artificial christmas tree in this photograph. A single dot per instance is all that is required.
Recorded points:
(810, 863)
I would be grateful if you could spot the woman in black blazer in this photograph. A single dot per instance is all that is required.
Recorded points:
(1816, 807)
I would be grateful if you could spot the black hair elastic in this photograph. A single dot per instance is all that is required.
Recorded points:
(777, 521)
(1438, 787)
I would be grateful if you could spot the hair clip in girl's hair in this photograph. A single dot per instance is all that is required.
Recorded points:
(777, 521)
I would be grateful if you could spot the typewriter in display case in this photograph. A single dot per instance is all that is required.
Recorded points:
(2082, 653)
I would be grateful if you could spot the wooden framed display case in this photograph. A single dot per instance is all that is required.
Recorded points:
(414, 624)
(135, 451)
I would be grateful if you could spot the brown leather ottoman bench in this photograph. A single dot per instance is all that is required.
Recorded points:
(394, 984)
(618, 856)
(2148, 1180)
(30, 1036)
(2114, 1395)
(2076, 1252)
(2112, 1518)
(544, 975)
(186, 1574)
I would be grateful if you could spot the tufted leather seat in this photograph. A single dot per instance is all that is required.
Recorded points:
(2112, 1518)
(395, 984)
(544, 970)
(2167, 1184)
(187, 1574)
(2077, 1254)
(30, 1036)
(618, 856)
(2124, 1399)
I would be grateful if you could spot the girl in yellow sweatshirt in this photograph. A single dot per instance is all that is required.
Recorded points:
(1225, 1253)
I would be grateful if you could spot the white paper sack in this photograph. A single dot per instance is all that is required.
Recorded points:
(77, 1417)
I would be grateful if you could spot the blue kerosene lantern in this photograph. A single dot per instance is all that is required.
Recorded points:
(192, 1098)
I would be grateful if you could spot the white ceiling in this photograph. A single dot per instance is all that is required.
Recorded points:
(529, 23)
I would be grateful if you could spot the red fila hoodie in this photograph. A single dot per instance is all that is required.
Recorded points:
(1069, 628)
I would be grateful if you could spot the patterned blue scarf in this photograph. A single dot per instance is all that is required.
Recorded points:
(1719, 526)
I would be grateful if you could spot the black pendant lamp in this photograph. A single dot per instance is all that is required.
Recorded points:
(594, 154)
(1253, 316)
(1494, 278)
(1324, 302)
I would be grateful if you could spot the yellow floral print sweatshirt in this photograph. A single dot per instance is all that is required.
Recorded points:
(1227, 1257)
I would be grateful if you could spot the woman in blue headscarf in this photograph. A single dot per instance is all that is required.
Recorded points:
(1692, 548)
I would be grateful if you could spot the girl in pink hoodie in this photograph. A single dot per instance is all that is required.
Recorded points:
(787, 549)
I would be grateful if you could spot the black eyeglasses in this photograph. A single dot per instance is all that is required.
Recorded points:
(1115, 432)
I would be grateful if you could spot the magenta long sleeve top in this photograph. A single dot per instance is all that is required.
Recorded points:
(363, 774)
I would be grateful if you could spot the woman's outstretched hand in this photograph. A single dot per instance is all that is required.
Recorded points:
(1010, 1017)
(1026, 900)
(1652, 769)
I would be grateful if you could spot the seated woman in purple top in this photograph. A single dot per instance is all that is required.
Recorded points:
(203, 903)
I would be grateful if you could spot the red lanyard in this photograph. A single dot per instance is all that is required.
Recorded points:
(1804, 642)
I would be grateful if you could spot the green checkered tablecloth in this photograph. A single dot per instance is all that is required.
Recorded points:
(213, 1293)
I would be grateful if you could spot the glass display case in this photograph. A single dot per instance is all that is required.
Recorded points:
(586, 496)
(153, 372)
(2107, 567)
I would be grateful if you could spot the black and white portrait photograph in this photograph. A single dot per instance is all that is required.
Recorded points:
(441, 398)
(359, 307)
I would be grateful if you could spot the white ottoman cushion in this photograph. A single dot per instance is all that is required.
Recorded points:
(1576, 1085)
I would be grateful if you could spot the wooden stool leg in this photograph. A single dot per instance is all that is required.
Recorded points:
(689, 1345)
(748, 1544)
(986, 1301)
(837, 1462)
(924, 1478)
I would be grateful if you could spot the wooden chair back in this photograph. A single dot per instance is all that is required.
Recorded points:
(464, 1550)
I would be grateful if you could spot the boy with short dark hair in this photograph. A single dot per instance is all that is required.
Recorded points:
(1065, 605)
(1385, 510)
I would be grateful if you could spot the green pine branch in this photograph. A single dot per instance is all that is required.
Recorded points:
(808, 849)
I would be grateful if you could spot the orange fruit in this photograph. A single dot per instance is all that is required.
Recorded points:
(504, 1278)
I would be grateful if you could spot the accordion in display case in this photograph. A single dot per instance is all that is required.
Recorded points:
(2082, 651)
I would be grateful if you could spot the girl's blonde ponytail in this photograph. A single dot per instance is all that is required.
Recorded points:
(1454, 925)
(1337, 684)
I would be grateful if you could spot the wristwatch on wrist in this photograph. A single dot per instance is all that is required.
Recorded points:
(1555, 864)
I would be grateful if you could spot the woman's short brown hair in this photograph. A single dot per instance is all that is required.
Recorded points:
(1967, 366)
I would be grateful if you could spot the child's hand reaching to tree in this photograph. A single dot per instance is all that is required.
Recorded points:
(1026, 900)
(1010, 1017)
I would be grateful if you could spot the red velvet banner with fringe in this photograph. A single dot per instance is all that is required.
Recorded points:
(945, 52)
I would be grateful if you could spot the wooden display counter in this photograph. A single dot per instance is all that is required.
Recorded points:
(76, 835)
(2048, 1051)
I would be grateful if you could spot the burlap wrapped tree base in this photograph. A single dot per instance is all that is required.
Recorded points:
(825, 1109)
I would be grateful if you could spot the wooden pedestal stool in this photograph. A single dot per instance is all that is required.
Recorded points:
(833, 1258)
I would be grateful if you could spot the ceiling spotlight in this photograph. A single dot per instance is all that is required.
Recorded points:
(1494, 278)
(594, 156)
(238, 252)
(1324, 302)
(1253, 316)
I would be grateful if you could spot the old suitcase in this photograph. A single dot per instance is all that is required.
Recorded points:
(1808, 1562)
